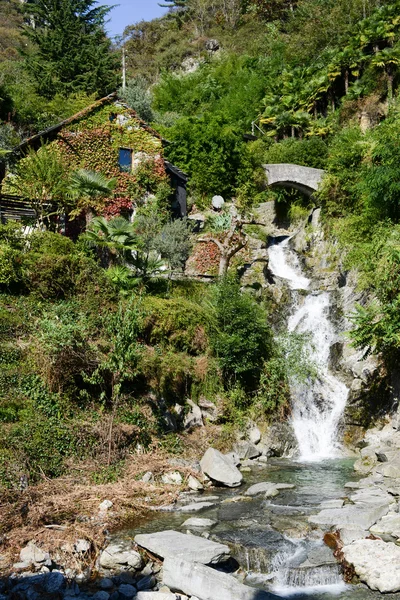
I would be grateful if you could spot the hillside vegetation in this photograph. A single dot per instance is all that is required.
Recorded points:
(96, 358)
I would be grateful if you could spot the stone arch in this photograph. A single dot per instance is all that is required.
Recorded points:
(305, 179)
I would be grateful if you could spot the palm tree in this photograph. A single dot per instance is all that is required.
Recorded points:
(88, 189)
(387, 60)
(116, 235)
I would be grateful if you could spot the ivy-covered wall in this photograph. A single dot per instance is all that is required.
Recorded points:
(94, 142)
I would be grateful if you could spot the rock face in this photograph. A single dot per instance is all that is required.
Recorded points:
(220, 468)
(206, 583)
(175, 545)
(376, 563)
(280, 440)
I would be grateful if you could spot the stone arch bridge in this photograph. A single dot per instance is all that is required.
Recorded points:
(304, 179)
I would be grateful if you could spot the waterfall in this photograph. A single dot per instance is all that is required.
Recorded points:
(316, 405)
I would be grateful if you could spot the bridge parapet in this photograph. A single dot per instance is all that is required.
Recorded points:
(305, 179)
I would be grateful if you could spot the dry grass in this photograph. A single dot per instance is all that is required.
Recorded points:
(71, 503)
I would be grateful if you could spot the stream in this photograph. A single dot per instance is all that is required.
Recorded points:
(271, 539)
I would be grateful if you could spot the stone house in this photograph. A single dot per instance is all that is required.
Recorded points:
(110, 138)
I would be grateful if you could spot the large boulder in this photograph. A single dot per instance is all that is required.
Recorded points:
(220, 468)
(206, 583)
(376, 563)
(180, 545)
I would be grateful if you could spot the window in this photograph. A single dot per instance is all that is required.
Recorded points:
(125, 159)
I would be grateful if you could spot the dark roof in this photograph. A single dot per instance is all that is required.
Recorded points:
(50, 133)
(170, 168)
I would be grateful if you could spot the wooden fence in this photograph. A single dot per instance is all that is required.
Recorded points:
(15, 208)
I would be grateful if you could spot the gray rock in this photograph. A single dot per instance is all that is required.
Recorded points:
(217, 202)
(388, 525)
(219, 468)
(390, 470)
(381, 457)
(350, 533)
(280, 440)
(234, 457)
(266, 487)
(247, 450)
(377, 563)
(208, 410)
(148, 477)
(255, 435)
(194, 417)
(106, 583)
(54, 582)
(197, 523)
(212, 46)
(105, 505)
(206, 583)
(194, 484)
(146, 583)
(120, 554)
(174, 478)
(331, 504)
(126, 590)
(349, 515)
(82, 546)
(284, 486)
(33, 554)
(179, 545)
(195, 507)
(102, 595)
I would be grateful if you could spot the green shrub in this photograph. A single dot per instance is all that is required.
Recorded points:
(240, 337)
(12, 272)
(178, 323)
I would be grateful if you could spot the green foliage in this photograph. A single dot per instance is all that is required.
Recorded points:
(137, 96)
(311, 152)
(11, 268)
(178, 323)
(42, 177)
(70, 51)
(174, 243)
(240, 337)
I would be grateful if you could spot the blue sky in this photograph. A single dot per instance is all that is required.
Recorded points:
(131, 11)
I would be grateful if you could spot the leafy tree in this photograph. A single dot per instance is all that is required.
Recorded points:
(70, 51)
(240, 339)
(42, 178)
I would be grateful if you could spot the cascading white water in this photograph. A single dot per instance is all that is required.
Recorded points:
(316, 405)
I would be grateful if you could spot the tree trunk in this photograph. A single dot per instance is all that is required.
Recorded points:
(292, 131)
(390, 79)
(223, 265)
(346, 81)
